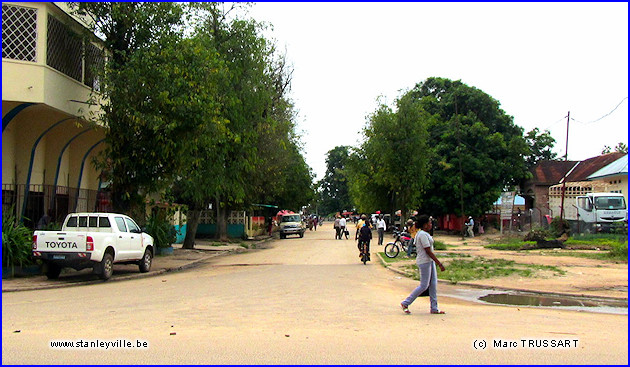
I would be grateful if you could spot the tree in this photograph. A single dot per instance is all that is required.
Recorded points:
(141, 97)
(478, 149)
(390, 169)
(257, 142)
(334, 186)
(540, 147)
(621, 148)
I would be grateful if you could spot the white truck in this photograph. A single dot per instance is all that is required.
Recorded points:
(94, 240)
(593, 212)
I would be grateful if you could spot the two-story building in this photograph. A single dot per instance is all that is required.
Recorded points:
(50, 64)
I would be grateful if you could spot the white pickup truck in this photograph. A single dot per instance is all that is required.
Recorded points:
(94, 240)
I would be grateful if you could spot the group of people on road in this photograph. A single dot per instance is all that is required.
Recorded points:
(421, 231)
(340, 227)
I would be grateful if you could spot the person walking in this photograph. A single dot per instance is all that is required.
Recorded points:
(426, 261)
(315, 222)
(380, 228)
(469, 226)
(342, 226)
(336, 226)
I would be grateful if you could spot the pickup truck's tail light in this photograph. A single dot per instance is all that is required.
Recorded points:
(34, 242)
(89, 245)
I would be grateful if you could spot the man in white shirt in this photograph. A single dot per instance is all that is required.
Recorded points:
(469, 226)
(380, 227)
(342, 224)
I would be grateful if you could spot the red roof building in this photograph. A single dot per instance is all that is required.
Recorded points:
(549, 173)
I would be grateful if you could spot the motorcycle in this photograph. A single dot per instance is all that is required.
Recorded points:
(403, 241)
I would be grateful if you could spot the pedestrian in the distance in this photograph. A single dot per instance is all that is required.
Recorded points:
(337, 229)
(426, 261)
(380, 228)
(269, 226)
(342, 226)
(470, 226)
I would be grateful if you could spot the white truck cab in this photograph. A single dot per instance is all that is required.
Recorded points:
(601, 211)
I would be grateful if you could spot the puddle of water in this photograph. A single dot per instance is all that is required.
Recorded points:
(547, 301)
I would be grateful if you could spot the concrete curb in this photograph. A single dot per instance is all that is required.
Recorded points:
(481, 286)
(192, 264)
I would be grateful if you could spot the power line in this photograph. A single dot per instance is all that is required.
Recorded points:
(606, 115)
(553, 123)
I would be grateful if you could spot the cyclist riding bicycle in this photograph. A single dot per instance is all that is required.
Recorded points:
(365, 235)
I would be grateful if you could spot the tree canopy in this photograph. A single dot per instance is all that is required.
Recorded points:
(203, 115)
(477, 147)
(389, 170)
(540, 147)
(334, 194)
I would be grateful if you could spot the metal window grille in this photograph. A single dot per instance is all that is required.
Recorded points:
(19, 33)
(64, 49)
(94, 65)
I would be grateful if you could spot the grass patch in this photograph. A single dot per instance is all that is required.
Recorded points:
(403, 257)
(439, 245)
(605, 246)
(511, 246)
(459, 270)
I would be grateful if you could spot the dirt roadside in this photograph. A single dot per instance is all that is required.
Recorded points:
(583, 277)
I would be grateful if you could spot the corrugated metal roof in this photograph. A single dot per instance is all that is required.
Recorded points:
(552, 172)
(589, 166)
(618, 167)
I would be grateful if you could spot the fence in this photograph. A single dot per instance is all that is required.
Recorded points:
(58, 201)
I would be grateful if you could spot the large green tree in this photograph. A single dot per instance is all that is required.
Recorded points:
(478, 150)
(258, 141)
(390, 168)
(334, 187)
(143, 94)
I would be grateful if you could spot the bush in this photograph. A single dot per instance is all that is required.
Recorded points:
(537, 234)
(619, 251)
(161, 229)
(559, 226)
(16, 241)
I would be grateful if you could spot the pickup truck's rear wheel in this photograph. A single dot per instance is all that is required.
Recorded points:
(106, 267)
(53, 271)
(145, 262)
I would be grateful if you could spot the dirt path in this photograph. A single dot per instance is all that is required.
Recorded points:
(588, 277)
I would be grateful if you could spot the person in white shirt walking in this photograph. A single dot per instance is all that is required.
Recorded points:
(381, 227)
(426, 261)
(342, 225)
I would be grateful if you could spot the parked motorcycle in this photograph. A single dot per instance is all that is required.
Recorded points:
(402, 242)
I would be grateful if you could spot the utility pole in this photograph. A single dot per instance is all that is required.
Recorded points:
(564, 179)
(461, 174)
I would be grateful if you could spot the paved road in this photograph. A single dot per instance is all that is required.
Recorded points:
(307, 301)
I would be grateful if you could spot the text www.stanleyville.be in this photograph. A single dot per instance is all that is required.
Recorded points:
(99, 344)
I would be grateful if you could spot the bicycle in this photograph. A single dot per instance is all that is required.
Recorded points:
(365, 255)
(403, 240)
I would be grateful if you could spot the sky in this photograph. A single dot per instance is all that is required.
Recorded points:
(539, 60)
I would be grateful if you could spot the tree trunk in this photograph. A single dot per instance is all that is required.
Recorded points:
(222, 215)
(191, 228)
